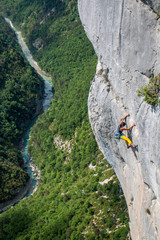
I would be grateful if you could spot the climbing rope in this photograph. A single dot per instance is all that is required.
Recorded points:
(146, 196)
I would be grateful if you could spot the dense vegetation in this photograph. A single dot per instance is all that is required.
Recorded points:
(151, 92)
(71, 202)
(19, 89)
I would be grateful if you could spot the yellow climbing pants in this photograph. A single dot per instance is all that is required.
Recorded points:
(127, 140)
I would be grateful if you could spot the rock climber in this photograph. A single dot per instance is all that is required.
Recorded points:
(120, 135)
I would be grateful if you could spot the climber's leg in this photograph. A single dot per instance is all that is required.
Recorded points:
(128, 141)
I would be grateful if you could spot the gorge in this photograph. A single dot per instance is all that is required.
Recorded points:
(79, 196)
(126, 38)
(48, 95)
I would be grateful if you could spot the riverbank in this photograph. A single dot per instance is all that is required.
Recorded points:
(4, 206)
(24, 192)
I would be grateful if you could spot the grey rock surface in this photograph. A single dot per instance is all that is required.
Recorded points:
(126, 37)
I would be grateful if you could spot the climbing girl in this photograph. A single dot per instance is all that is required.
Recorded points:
(120, 135)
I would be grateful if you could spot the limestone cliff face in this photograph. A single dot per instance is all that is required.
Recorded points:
(126, 38)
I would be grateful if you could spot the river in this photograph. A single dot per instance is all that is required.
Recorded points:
(48, 95)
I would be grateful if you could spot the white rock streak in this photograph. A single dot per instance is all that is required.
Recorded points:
(107, 180)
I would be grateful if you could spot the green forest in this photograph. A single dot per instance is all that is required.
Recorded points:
(71, 201)
(19, 90)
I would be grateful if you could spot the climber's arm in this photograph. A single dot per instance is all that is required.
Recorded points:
(123, 119)
(121, 129)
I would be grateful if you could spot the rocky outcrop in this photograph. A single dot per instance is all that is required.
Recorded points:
(126, 37)
(38, 44)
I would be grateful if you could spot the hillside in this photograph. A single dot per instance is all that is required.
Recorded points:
(79, 196)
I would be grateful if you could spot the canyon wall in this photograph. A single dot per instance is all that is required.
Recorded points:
(126, 37)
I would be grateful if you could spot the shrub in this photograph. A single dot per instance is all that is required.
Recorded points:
(151, 92)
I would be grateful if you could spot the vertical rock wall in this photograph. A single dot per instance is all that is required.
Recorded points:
(126, 37)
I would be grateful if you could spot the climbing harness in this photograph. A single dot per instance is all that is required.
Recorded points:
(146, 196)
(118, 136)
